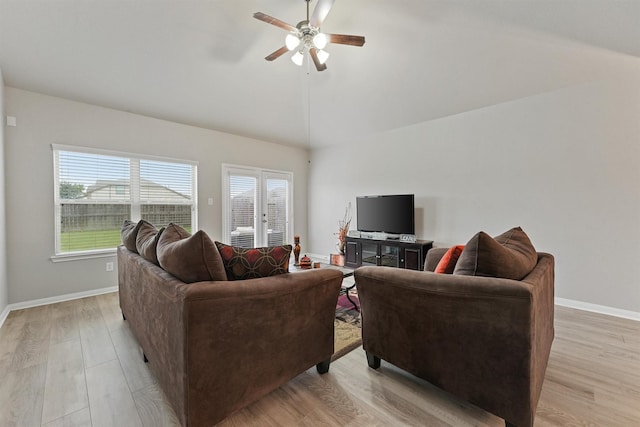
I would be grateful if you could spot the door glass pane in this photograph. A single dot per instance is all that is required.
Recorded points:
(242, 191)
(276, 214)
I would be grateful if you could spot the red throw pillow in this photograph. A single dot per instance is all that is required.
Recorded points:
(448, 261)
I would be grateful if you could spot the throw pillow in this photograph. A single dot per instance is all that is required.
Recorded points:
(190, 258)
(447, 263)
(243, 263)
(147, 241)
(510, 255)
(129, 233)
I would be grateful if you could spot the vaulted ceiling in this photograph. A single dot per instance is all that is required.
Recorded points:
(202, 62)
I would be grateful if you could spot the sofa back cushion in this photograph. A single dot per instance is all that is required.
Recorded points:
(510, 255)
(129, 233)
(147, 241)
(250, 263)
(190, 258)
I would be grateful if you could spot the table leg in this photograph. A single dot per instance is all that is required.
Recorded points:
(346, 293)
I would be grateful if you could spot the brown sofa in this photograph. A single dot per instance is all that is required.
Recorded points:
(484, 339)
(216, 346)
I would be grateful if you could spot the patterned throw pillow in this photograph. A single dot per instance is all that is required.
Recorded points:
(243, 263)
(447, 263)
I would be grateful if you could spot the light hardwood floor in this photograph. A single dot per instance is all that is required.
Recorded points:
(76, 364)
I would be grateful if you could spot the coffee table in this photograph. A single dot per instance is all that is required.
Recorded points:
(346, 272)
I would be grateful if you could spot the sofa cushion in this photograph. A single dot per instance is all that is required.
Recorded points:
(147, 241)
(510, 255)
(249, 263)
(128, 233)
(447, 263)
(190, 258)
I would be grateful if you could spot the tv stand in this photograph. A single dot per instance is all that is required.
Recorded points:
(389, 252)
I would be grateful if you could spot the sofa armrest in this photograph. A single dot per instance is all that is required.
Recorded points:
(486, 340)
(246, 338)
(430, 323)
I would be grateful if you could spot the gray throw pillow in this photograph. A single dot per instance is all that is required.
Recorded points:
(147, 241)
(190, 258)
(510, 255)
(129, 233)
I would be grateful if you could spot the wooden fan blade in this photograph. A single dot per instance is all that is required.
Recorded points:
(320, 12)
(316, 61)
(346, 39)
(273, 21)
(277, 54)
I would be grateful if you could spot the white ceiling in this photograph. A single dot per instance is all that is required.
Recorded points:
(202, 62)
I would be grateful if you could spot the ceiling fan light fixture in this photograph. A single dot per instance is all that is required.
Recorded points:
(323, 55)
(291, 41)
(306, 37)
(320, 40)
(298, 58)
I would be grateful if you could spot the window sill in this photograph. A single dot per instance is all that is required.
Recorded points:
(77, 256)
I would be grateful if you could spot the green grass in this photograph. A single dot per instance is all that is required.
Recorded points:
(72, 241)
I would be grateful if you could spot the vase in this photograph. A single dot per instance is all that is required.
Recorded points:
(342, 240)
(296, 250)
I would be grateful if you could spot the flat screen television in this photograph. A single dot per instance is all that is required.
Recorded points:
(392, 214)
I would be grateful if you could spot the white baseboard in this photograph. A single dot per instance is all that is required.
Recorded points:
(611, 311)
(53, 300)
(602, 309)
(3, 315)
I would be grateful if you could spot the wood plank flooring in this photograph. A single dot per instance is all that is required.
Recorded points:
(76, 364)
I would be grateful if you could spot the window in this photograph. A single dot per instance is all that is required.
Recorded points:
(257, 207)
(96, 190)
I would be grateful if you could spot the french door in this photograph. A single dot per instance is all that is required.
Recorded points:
(257, 206)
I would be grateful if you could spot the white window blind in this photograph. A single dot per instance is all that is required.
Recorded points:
(96, 190)
(243, 190)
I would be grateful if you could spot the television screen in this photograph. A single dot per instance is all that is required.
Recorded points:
(392, 214)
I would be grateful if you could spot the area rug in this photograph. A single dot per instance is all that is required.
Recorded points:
(348, 335)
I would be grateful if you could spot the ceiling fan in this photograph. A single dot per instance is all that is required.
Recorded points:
(306, 36)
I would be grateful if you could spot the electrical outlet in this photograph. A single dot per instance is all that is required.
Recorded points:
(109, 266)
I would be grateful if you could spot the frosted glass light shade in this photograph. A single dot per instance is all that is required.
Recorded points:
(291, 41)
(323, 55)
(297, 58)
(320, 40)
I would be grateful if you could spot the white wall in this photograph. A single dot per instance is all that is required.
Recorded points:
(563, 165)
(4, 289)
(43, 120)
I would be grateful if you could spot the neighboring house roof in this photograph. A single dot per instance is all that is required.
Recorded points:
(110, 189)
